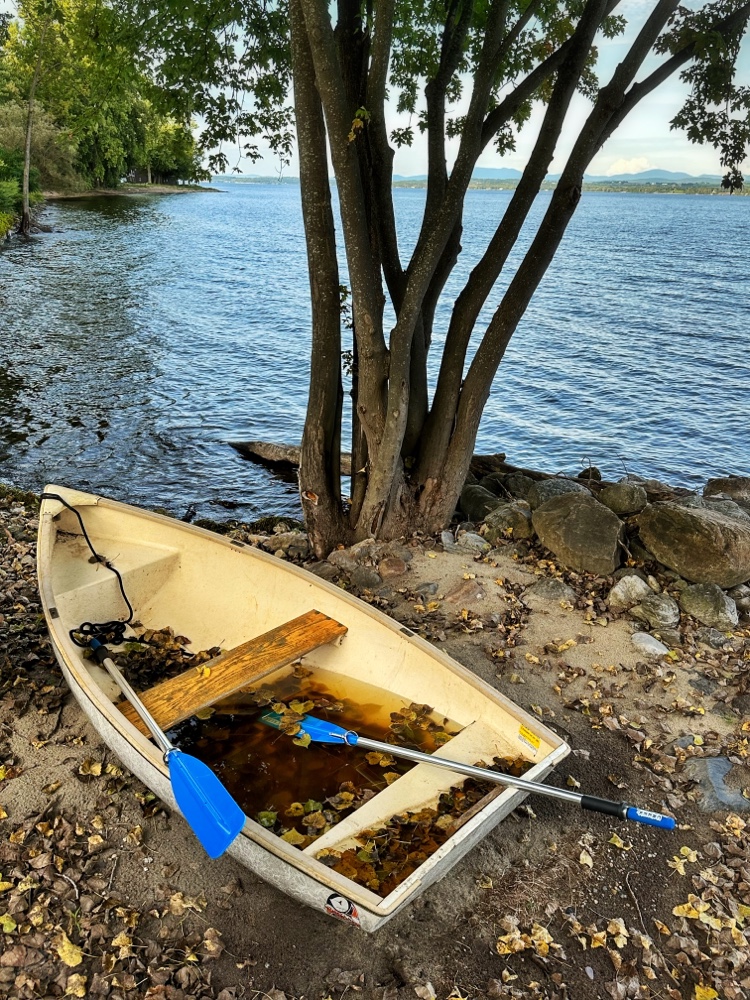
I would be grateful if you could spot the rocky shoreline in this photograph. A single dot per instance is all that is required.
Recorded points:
(103, 894)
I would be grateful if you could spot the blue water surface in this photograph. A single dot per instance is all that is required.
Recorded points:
(144, 333)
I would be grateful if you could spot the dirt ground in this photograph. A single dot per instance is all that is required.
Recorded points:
(104, 893)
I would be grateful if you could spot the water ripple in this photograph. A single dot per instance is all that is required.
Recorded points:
(143, 334)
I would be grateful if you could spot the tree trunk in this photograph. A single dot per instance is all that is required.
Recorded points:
(25, 227)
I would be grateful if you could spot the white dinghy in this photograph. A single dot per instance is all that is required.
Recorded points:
(268, 617)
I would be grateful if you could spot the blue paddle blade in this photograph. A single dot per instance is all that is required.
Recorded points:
(318, 730)
(212, 813)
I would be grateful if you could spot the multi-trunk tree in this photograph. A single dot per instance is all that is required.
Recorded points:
(469, 70)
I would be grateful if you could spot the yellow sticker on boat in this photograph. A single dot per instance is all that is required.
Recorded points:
(529, 738)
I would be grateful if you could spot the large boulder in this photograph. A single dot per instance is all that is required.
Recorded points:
(511, 520)
(545, 489)
(476, 502)
(736, 487)
(709, 605)
(624, 498)
(582, 533)
(702, 545)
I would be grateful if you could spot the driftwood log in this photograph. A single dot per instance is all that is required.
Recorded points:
(288, 456)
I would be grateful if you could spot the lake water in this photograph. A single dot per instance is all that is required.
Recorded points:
(144, 333)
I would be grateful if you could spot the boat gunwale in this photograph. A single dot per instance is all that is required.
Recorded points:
(306, 864)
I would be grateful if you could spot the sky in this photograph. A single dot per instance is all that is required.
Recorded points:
(644, 141)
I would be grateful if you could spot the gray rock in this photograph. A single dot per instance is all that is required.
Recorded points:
(391, 566)
(364, 578)
(736, 487)
(709, 605)
(628, 590)
(655, 488)
(672, 636)
(467, 593)
(476, 502)
(722, 505)
(324, 569)
(548, 591)
(518, 485)
(448, 541)
(546, 489)
(712, 637)
(582, 533)
(648, 646)
(472, 541)
(292, 542)
(495, 483)
(343, 560)
(660, 610)
(710, 773)
(509, 520)
(624, 498)
(704, 546)
(427, 589)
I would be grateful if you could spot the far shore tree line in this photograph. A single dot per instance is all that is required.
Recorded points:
(78, 110)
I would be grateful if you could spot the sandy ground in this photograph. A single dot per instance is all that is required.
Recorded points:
(555, 903)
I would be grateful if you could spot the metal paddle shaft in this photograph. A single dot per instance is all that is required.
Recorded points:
(326, 732)
(207, 806)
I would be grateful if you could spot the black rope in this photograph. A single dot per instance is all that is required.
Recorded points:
(112, 631)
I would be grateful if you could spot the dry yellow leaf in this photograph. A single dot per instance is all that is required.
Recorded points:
(69, 953)
(678, 864)
(76, 985)
(585, 859)
(705, 992)
(619, 842)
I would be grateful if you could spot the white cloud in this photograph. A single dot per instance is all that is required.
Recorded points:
(632, 166)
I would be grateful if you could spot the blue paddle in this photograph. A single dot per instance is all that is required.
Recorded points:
(320, 731)
(210, 810)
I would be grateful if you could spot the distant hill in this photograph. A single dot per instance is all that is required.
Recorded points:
(510, 175)
(654, 176)
(644, 177)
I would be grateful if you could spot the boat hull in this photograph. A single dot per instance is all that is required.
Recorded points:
(417, 668)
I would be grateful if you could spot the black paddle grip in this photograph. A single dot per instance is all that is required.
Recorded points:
(619, 809)
(100, 651)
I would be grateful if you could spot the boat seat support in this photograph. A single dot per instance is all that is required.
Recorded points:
(178, 698)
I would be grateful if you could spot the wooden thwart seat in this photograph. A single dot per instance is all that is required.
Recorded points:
(182, 696)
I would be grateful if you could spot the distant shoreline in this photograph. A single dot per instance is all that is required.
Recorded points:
(480, 184)
(128, 189)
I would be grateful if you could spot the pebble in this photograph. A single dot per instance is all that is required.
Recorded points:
(710, 773)
(649, 646)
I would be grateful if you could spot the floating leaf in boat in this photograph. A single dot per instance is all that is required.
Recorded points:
(302, 741)
(294, 838)
(267, 818)
(295, 809)
(301, 707)
(315, 820)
